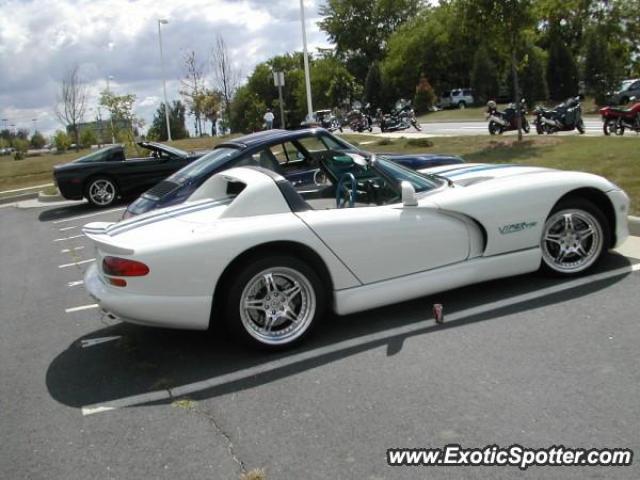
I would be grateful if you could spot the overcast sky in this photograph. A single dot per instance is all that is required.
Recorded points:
(40, 40)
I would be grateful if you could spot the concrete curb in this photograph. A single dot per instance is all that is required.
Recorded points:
(634, 220)
(18, 198)
(44, 198)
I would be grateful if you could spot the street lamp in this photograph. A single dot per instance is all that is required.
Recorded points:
(163, 21)
(113, 134)
(307, 77)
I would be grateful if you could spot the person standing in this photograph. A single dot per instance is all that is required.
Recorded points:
(268, 119)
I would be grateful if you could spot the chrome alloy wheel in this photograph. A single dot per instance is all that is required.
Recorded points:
(102, 192)
(277, 305)
(572, 241)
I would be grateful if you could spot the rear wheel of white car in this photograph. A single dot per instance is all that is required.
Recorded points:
(574, 237)
(274, 302)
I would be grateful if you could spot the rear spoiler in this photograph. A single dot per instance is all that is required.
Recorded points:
(97, 233)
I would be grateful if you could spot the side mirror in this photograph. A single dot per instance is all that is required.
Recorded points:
(408, 195)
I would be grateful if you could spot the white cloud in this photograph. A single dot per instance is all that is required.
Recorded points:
(40, 40)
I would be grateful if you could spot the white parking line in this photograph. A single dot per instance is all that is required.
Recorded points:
(344, 345)
(69, 228)
(72, 249)
(81, 307)
(97, 341)
(88, 215)
(75, 283)
(68, 238)
(65, 265)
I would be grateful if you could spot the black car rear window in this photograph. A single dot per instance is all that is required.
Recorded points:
(104, 155)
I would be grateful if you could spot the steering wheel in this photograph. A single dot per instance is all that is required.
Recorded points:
(342, 189)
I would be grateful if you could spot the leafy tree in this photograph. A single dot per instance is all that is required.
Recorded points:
(361, 28)
(562, 72)
(247, 110)
(124, 123)
(193, 88)
(425, 96)
(373, 87)
(62, 141)
(534, 81)
(158, 129)
(21, 146)
(88, 137)
(602, 67)
(484, 76)
(37, 140)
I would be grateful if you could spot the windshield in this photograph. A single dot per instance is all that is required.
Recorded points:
(206, 164)
(166, 148)
(401, 174)
(625, 84)
(104, 155)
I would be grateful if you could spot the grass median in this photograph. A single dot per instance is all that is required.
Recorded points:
(616, 158)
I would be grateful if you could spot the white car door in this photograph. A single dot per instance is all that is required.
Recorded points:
(383, 242)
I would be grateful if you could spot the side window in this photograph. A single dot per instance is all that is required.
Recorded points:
(635, 86)
(455, 93)
(293, 156)
(312, 144)
(263, 158)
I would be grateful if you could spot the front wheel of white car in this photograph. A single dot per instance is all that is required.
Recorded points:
(274, 302)
(574, 238)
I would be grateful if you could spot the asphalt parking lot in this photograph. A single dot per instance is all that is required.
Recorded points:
(526, 360)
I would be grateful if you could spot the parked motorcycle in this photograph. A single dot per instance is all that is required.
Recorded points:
(358, 119)
(617, 119)
(500, 122)
(564, 117)
(401, 117)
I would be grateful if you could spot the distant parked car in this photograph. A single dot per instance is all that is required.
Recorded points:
(628, 88)
(456, 98)
(105, 175)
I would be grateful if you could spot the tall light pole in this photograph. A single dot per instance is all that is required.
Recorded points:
(113, 134)
(163, 21)
(307, 77)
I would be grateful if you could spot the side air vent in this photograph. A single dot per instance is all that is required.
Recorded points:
(161, 189)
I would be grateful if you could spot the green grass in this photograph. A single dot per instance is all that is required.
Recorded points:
(615, 158)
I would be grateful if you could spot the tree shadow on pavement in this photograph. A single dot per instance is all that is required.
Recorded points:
(146, 359)
(68, 211)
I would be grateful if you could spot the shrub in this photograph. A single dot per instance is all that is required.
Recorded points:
(88, 138)
(425, 96)
(21, 147)
(384, 141)
(62, 141)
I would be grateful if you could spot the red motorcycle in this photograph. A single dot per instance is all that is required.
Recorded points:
(617, 119)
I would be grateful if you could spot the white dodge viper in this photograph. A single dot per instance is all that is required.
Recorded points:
(249, 252)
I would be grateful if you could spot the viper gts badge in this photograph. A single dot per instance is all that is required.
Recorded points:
(516, 227)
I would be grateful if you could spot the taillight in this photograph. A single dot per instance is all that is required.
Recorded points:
(122, 267)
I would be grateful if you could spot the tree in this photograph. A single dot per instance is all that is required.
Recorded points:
(123, 122)
(193, 88)
(484, 76)
(534, 81)
(62, 141)
(562, 72)
(373, 87)
(21, 146)
(88, 138)
(361, 28)
(425, 97)
(602, 67)
(37, 140)
(225, 75)
(71, 102)
(509, 20)
(247, 110)
(158, 129)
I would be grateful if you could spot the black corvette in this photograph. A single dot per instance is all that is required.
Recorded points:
(106, 174)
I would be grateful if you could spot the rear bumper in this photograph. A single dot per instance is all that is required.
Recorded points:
(189, 313)
(70, 191)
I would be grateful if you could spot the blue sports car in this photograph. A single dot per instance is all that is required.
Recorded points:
(293, 154)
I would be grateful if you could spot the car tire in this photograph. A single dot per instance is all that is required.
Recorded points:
(265, 294)
(101, 192)
(574, 238)
(462, 105)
